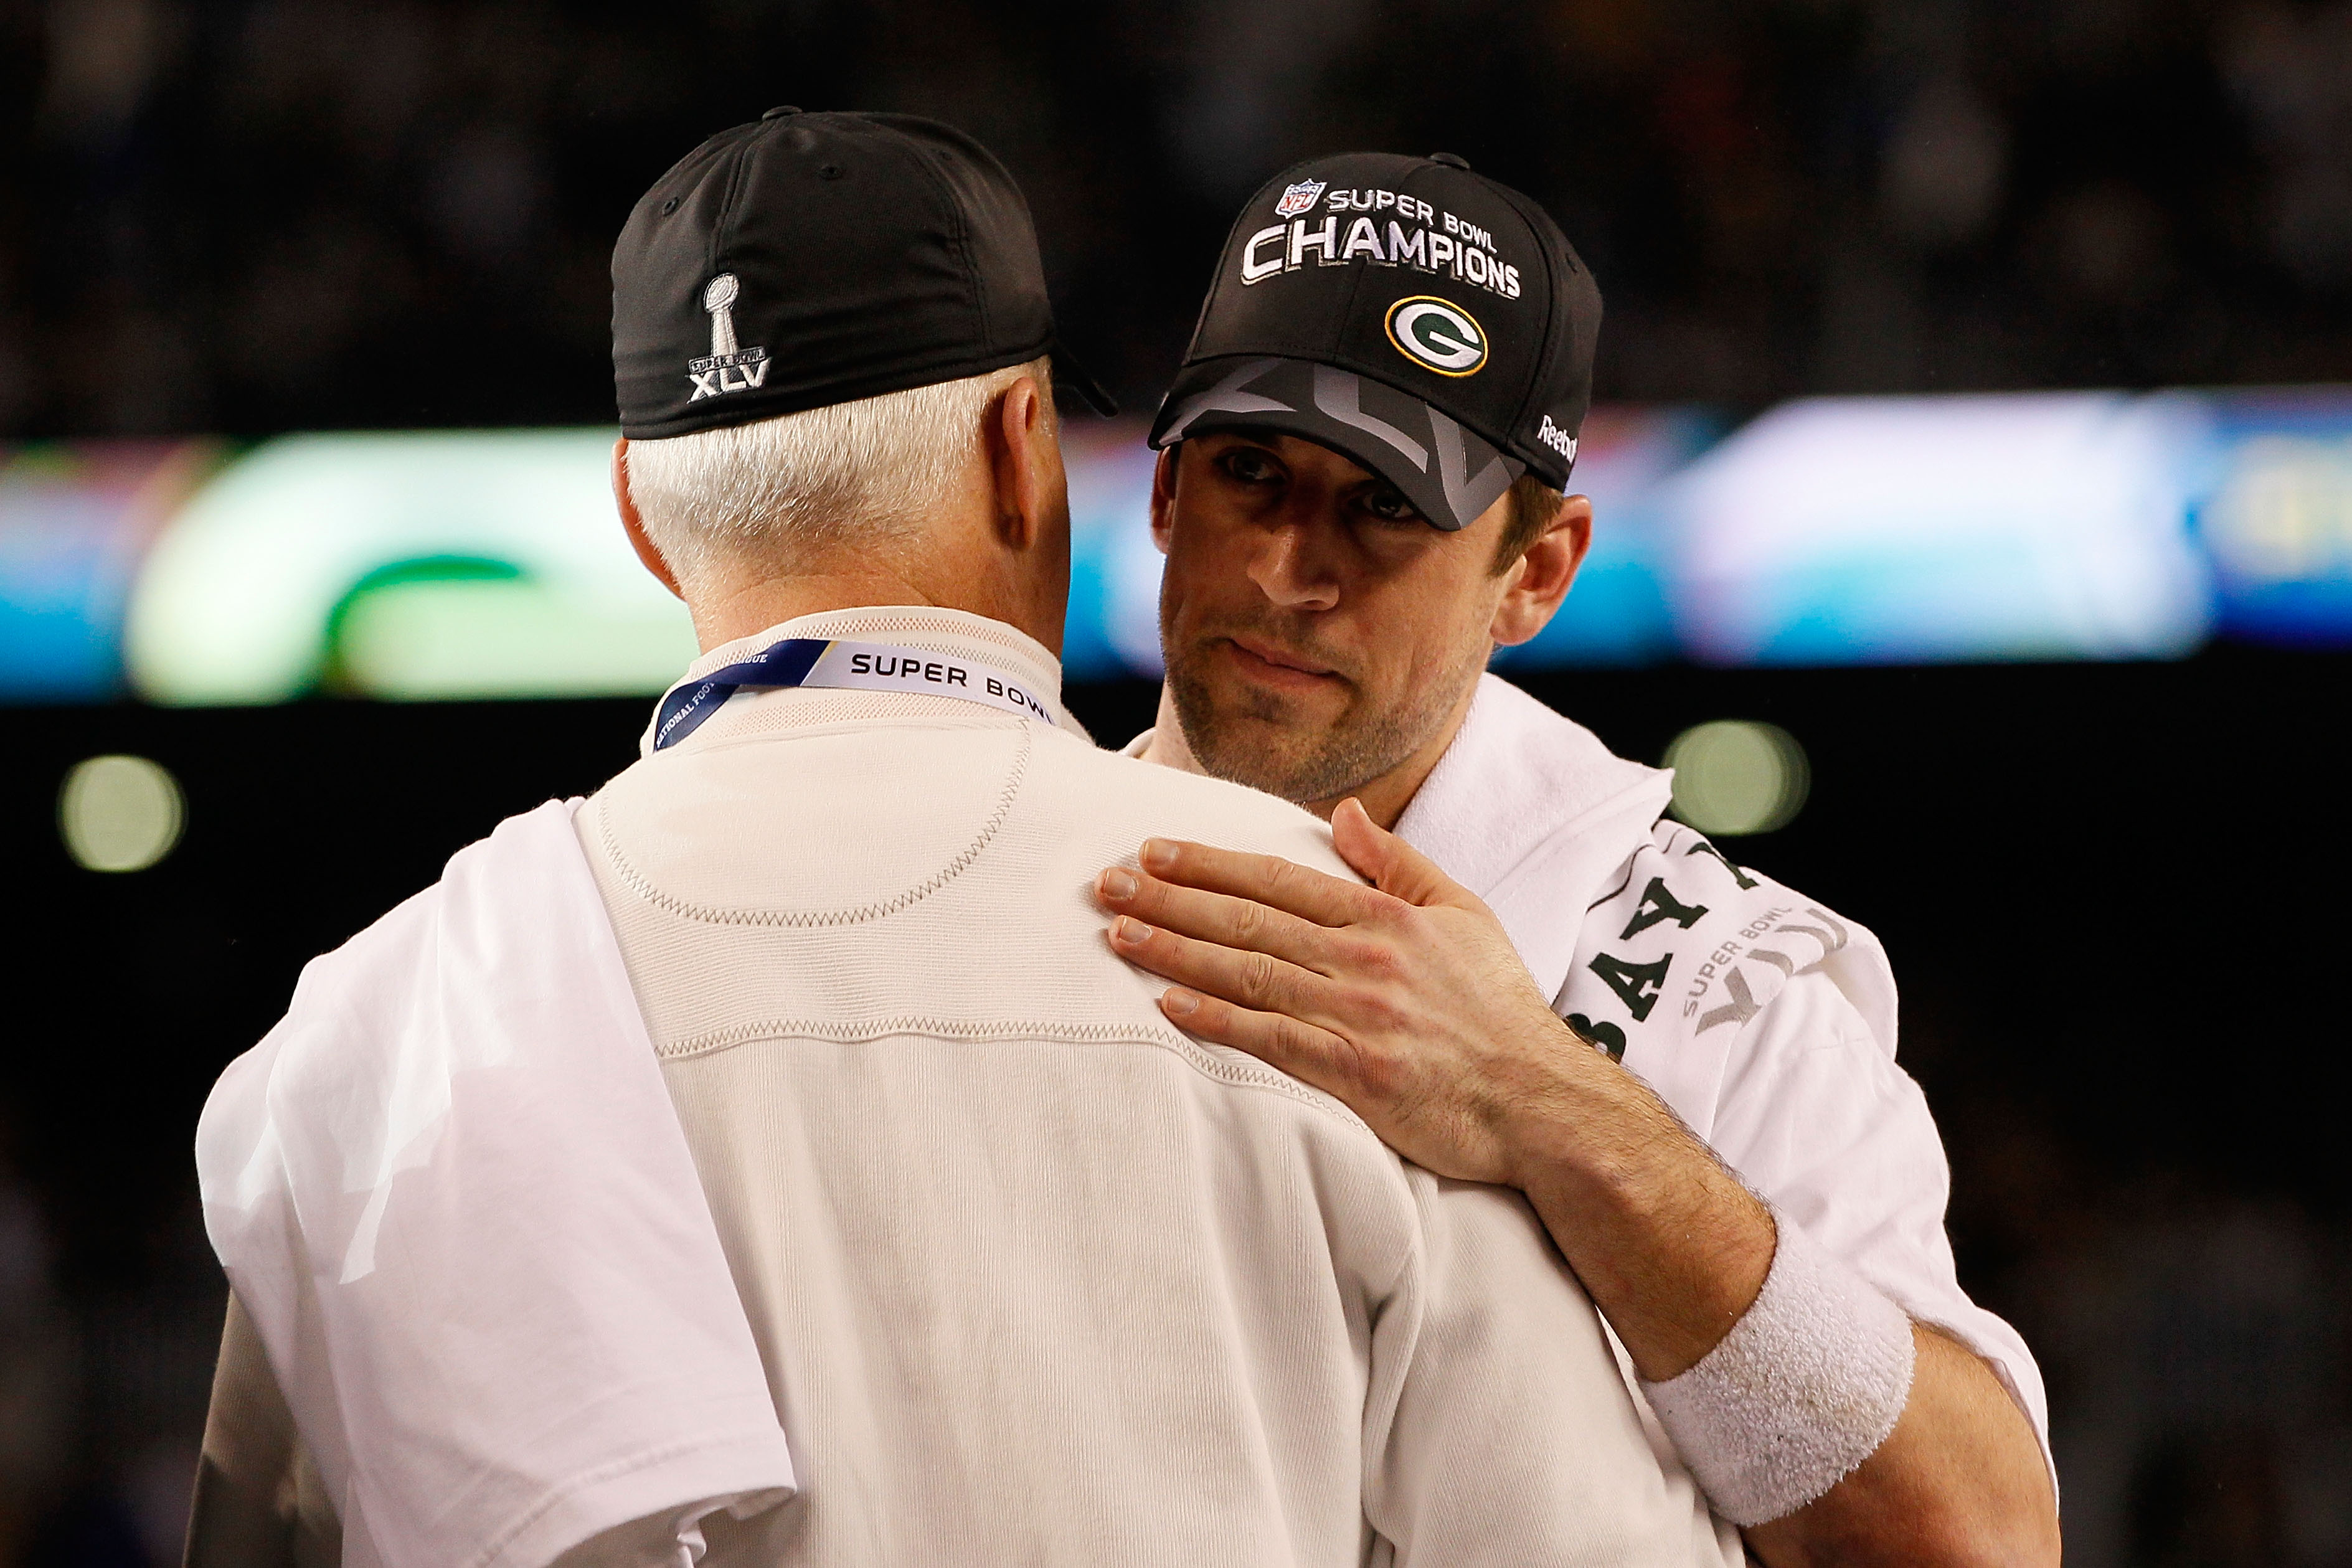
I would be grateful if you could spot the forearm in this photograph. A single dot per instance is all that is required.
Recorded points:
(1960, 1480)
(1673, 1250)
(258, 1500)
(1669, 1244)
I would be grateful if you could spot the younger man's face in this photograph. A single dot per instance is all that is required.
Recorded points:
(1317, 631)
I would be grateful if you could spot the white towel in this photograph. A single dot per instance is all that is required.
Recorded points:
(1529, 811)
(452, 1191)
(1564, 841)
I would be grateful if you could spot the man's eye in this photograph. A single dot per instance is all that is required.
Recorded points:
(1387, 504)
(1249, 466)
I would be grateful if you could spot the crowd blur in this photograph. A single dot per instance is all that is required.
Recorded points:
(243, 216)
(247, 214)
(2193, 1331)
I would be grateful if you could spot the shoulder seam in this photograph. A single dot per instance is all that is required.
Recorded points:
(1234, 1074)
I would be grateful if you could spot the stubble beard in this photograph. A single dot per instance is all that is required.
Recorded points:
(1267, 741)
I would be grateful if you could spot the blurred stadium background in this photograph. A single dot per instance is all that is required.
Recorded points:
(1976, 436)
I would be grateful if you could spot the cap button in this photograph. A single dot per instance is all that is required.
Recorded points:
(781, 111)
(1451, 160)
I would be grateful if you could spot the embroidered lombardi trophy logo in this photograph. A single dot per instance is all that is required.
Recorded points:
(725, 368)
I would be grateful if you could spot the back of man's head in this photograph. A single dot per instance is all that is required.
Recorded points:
(875, 480)
(830, 342)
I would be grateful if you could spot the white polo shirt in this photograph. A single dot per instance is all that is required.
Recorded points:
(1034, 1276)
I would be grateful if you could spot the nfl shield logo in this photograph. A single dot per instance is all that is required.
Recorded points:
(1297, 199)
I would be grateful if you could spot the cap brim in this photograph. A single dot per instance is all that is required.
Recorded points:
(1449, 474)
(1069, 373)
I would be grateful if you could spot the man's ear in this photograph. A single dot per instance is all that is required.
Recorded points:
(1544, 575)
(1164, 497)
(1026, 457)
(635, 525)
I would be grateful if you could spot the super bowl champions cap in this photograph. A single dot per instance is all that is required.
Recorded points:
(806, 260)
(1432, 324)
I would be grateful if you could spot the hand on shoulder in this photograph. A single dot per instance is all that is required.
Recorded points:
(1404, 999)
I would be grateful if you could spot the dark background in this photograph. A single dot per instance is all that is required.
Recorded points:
(250, 218)
(2111, 892)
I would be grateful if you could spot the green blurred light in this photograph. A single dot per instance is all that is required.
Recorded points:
(473, 563)
(422, 641)
(1735, 776)
(120, 814)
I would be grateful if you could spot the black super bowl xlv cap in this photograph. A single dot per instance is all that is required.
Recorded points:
(805, 260)
(1424, 320)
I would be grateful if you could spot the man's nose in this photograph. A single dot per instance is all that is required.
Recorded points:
(1287, 570)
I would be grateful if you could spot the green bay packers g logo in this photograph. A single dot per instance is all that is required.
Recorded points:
(1436, 335)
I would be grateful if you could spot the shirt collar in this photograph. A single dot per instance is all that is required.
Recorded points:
(924, 626)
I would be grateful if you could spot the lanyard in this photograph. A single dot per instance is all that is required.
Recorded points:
(854, 666)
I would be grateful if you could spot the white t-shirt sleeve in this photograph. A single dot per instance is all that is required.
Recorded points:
(1815, 1115)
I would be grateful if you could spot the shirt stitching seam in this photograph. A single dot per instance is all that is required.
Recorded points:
(644, 890)
(715, 1041)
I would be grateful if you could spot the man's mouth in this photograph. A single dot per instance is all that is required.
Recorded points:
(1276, 665)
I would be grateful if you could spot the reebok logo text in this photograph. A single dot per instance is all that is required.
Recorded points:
(1557, 439)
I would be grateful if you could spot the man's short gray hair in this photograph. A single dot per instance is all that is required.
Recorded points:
(800, 487)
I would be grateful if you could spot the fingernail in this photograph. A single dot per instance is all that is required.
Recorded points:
(1157, 855)
(1120, 883)
(1128, 930)
(1181, 1002)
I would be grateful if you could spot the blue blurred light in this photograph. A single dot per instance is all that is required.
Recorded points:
(1829, 531)
(1935, 530)
(2277, 517)
(1618, 613)
(75, 522)
(1112, 630)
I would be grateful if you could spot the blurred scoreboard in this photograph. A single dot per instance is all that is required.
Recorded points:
(1823, 532)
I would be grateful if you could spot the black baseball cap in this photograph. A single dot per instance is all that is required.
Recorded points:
(1430, 323)
(806, 260)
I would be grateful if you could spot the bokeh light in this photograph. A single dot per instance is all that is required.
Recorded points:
(1735, 776)
(120, 814)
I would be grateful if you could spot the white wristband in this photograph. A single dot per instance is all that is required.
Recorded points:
(1805, 1386)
